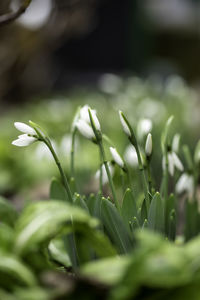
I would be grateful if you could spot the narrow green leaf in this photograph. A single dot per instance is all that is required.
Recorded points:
(115, 227)
(57, 190)
(58, 252)
(129, 209)
(156, 214)
(79, 202)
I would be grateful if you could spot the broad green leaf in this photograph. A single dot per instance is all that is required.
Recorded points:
(108, 271)
(129, 209)
(42, 221)
(115, 227)
(58, 252)
(94, 205)
(57, 190)
(172, 225)
(13, 271)
(33, 293)
(156, 214)
(8, 214)
(6, 236)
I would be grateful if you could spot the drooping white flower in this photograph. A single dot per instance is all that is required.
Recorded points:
(130, 156)
(173, 162)
(25, 128)
(116, 157)
(124, 125)
(104, 173)
(148, 145)
(144, 127)
(85, 129)
(185, 184)
(26, 139)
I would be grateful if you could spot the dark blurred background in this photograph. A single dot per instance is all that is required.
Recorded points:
(59, 44)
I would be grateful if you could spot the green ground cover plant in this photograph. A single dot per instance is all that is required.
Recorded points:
(131, 239)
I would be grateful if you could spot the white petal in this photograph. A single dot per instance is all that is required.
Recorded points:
(176, 142)
(148, 146)
(144, 127)
(96, 121)
(85, 129)
(116, 157)
(177, 163)
(130, 156)
(170, 164)
(124, 125)
(24, 128)
(185, 184)
(23, 142)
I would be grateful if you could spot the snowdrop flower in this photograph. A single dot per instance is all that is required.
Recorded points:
(176, 142)
(116, 157)
(26, 139)
(124, 124)
(85, 129)
(148, 145)
(130, 156)
(104, 173)
(185, 184)
(173, 162)
(144, 127)
(84, 115)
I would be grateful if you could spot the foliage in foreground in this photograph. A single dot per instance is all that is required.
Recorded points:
(136, 241)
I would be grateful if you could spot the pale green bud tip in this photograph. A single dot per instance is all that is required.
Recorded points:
(124, 124)
(94, 118)
(148, 146)
(116, 157)
(24, 128)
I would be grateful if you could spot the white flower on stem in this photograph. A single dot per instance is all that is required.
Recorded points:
(85, 129)
(144, 127)
(27, 138)
(148, 145)
(124, 124)
(84, 115)
(104, 173)
(173, 162)
(185, 184)
(116, 157)
(130, 156)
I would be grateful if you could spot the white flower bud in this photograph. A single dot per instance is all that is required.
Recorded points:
(24, 140)
(85, 129)
(24, 128)
(116, 157)
(84, 115)
(124, 125)
(130, 156)
(176, 142)
(148, 145)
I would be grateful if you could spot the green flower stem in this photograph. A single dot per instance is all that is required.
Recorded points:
(100, 144)
(64, 178)
(141, 168)
(100, 175)
(149, 174)
(98, 141)
(72, 153)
